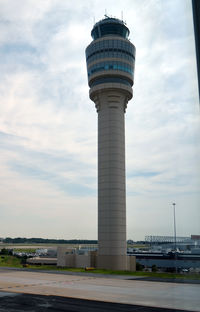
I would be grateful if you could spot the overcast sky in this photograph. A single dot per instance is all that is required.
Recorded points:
(48, 125)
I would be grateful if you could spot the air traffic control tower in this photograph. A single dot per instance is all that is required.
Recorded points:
(110, 65)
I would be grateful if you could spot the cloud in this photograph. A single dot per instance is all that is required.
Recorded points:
(48, 125)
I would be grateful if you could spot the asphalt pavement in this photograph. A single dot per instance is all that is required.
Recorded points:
(11, 302)
(39, 291)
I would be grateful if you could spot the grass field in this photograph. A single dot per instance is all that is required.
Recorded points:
(11, 261)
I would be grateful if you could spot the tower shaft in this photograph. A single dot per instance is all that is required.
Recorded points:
(111, 181)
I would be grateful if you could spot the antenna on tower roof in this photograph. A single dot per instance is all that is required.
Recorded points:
(106, 15)
(122, 15)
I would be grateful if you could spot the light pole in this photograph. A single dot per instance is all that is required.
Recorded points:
(174, 205)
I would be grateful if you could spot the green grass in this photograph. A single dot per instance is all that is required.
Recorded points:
(148, 274)
(127, 273)
(11, 261)
(138, 246)
(54, 267)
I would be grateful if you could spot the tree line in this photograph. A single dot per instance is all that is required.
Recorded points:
(33, 240)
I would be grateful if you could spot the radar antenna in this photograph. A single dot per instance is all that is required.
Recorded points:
(106, 15)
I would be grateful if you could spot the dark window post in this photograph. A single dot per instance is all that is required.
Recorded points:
(196, 19)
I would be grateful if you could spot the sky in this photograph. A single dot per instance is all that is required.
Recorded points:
(48, 124)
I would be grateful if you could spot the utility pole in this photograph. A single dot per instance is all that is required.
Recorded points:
(174, 205)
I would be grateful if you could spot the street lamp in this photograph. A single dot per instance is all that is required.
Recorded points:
(174, 205)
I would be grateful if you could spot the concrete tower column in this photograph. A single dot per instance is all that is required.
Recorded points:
(111, 180)
(110, 63)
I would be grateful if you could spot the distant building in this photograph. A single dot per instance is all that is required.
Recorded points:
(71, 257)
(195, 238)
(167, 242)
(168, 261)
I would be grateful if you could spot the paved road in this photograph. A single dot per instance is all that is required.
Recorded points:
(11, 302)
(134, 292)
